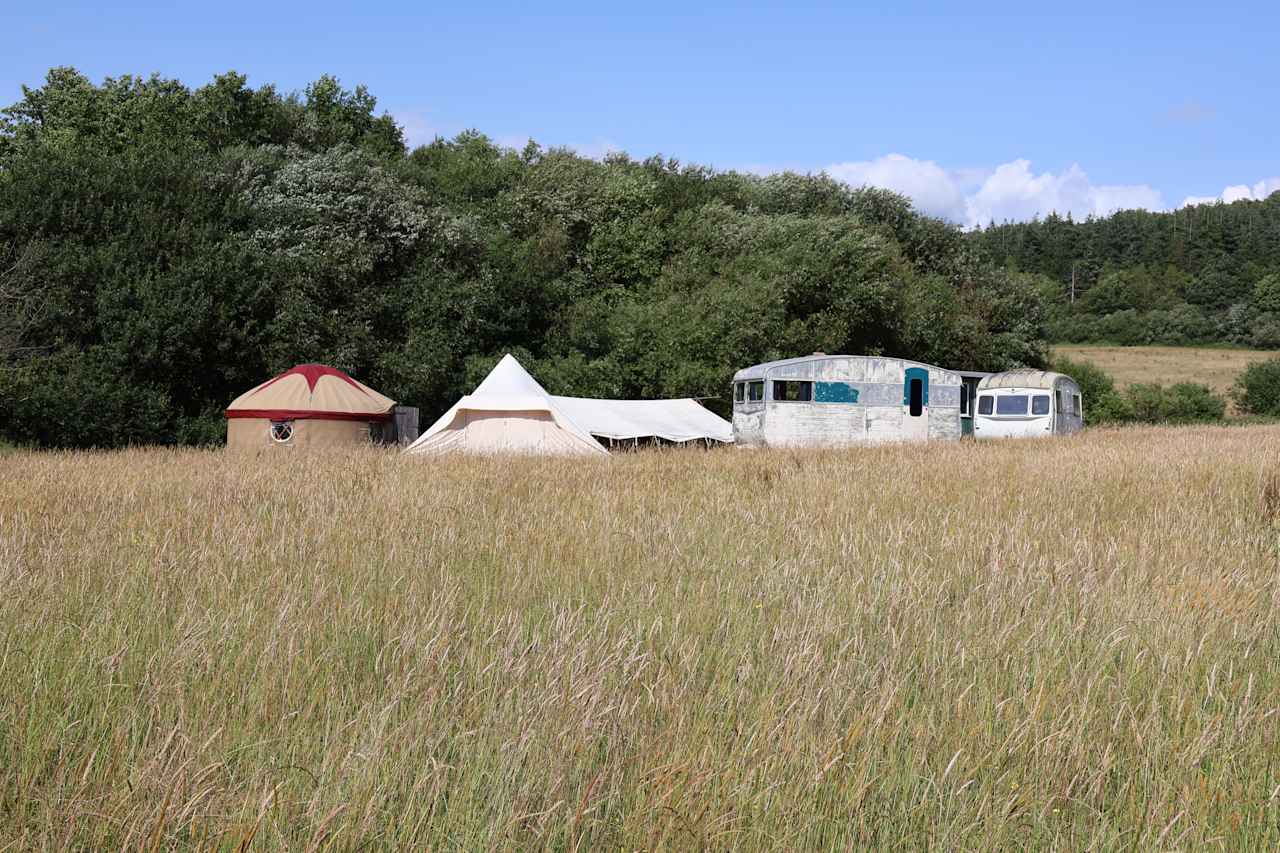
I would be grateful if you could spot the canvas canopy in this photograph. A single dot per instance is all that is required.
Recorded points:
(510, 412)
(672, 420)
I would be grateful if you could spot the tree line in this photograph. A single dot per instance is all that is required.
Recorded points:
(1201, 274)
(163, 249)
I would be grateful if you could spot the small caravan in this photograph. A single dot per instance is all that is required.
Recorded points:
(1027, 403)
(836, 400)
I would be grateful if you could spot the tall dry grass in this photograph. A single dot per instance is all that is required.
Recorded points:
(1069, 643)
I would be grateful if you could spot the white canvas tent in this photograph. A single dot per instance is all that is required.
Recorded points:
(509, 412)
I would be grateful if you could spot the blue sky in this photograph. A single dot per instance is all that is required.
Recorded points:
(975, 111)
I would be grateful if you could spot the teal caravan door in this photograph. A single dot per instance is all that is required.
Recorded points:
(915, 403)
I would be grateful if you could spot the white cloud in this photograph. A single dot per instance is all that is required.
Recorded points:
(933, 190)
(1237, 192)
(1010, 191)
(1014, 192)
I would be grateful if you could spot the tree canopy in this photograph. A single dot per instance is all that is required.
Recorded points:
(1202, 274)
(163, 249)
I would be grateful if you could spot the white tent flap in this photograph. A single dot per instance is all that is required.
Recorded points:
(671, 420)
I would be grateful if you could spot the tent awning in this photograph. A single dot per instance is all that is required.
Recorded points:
(671, 420)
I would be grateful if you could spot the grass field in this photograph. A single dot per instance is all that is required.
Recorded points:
(1068, 643)
(1217, 368)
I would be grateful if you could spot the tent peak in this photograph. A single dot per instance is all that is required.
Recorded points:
(509, 378)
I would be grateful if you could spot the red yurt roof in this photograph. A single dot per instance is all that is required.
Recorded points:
(312, 391)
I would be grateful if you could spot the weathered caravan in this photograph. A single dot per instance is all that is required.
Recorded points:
(832, 400)
(1028, 403)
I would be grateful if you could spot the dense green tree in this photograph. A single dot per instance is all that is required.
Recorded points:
(20, 300)
(1266, 294)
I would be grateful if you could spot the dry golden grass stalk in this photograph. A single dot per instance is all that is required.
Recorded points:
(1066, 643)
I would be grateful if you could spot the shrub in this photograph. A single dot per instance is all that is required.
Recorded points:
(81, 399)
(1180, 325)
(1123, 327)
(1190, 402)
(1257, 389)
(1102, 403)
(1264, 331)
(1109, 408)
(1185, 402)
(1146, 401)
(1073, 328)
(1266, 294)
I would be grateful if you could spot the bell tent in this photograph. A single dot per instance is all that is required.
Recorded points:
(311, 405)
(510, 412)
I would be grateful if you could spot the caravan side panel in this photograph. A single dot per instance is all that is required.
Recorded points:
(814, 424)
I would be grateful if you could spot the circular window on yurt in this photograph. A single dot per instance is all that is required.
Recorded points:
(281, 431)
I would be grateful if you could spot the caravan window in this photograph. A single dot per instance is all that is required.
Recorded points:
(755, 391)
(1011, 404)
(738, 392)
(1077, 409)
(792, 391)
(984, 404)
(1040, 404)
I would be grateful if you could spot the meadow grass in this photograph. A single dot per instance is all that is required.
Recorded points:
(1066, 643)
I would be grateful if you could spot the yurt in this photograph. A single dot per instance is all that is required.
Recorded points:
(311, 405)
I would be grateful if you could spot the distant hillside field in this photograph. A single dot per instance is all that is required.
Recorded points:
(1212, 366)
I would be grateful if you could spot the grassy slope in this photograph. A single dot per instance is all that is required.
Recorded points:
(734, 649)
(1217, 368)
